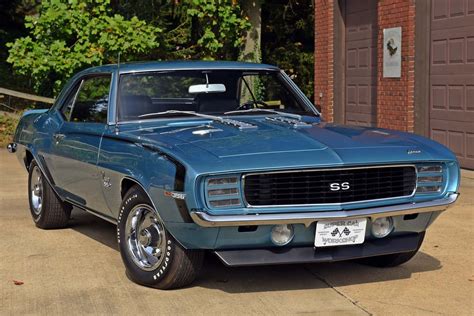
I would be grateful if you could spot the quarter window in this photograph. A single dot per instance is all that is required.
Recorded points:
(89, 104)
(67, 107)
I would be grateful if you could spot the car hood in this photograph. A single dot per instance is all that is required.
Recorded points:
(276, 144)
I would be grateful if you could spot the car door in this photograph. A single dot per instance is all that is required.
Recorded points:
(76, 143)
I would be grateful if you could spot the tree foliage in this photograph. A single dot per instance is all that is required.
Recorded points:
(194, 29)
(12, 19)
(221, 27)
(288, 39)
(70, 35)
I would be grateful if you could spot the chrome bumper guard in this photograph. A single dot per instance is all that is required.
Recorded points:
(206, 220)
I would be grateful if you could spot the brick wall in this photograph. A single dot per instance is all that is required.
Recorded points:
(395, 96)
(324, 57)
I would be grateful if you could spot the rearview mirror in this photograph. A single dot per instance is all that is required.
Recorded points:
(207, 88)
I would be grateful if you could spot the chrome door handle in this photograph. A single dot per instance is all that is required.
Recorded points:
(58, 137)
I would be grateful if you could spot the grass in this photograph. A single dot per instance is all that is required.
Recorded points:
(8, 122)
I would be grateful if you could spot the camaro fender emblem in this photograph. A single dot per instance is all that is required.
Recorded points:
(175, 195)
(106, 182)
(413, 151)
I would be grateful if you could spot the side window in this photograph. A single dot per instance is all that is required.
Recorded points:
(91, 101)
(66, 109)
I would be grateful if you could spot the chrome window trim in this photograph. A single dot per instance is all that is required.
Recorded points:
(326, 169)
(286, 80)
(60, 102)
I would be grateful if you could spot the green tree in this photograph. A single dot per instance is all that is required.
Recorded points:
(12, 20)
(288, 39)
(193, 29)
(221, 28)
(69, 35)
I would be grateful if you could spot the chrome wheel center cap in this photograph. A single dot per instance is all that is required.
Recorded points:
(145, 238)
(36, 189)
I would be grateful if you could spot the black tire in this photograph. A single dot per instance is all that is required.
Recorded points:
(53, 213)
(178, 267)
(393, 260)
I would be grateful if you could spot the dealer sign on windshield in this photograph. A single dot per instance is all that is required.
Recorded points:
(341, 232)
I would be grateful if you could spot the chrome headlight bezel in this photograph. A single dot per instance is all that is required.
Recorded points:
(223, 191)
(431, 178)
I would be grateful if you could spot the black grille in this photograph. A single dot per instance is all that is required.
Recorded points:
(314, 187)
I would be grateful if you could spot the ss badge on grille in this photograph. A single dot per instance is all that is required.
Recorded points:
(339, 186)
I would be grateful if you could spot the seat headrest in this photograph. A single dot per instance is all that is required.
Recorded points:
(215, 103)
(132, 106)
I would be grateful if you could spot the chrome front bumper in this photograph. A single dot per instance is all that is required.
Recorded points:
(207, 220)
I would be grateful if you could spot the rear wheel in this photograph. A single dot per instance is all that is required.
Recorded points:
(47, 210)
(151, 255)
(393, 260)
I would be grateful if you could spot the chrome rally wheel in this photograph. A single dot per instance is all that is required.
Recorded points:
(145, 237)
(151, 255)
(46, 208)
(36, 190)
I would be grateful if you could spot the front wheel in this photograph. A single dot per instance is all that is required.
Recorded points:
(152, 257)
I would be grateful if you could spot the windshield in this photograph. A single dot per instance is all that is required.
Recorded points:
(217, 92)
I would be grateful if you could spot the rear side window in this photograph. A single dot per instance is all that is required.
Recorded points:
(90, 103)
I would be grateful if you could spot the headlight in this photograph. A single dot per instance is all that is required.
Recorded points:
(223, 191)
(222, 181)
(429, 189)
(431, 178)
(430, 168)
(231, 191)
(225, 203)
(424, 179)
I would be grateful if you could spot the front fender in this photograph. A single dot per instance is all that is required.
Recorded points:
(123, 159)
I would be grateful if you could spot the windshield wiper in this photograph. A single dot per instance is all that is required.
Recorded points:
(235, 123)
(295, 116)
(164, 113)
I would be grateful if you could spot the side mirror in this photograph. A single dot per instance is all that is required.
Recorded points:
(207, 88)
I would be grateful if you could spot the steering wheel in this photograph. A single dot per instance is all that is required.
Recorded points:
(252, 105)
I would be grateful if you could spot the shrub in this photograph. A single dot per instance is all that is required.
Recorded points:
(8, 123)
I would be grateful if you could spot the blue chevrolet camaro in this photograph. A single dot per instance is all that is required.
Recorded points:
(230, 158)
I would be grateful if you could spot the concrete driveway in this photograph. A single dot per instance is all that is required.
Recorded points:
(78, 270)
